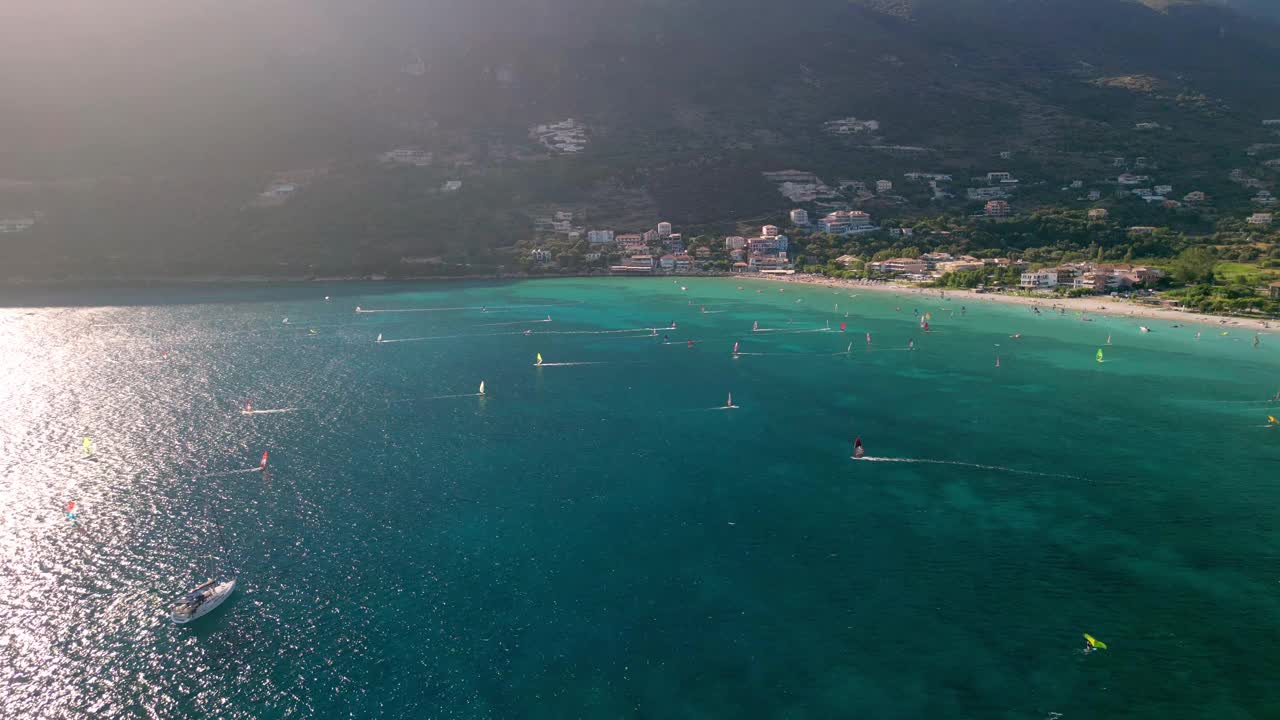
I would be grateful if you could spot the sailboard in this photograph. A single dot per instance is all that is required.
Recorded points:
(538, 360)
(858, 450)
(1098, 357)
(1094, 643)
(262, 464)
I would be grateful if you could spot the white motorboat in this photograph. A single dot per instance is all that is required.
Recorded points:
(202, 600)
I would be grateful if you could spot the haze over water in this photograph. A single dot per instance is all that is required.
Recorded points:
(600, 540)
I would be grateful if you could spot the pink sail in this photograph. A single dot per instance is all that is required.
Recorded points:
(263, 465)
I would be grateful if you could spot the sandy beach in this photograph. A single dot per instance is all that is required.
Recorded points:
(1097, 305)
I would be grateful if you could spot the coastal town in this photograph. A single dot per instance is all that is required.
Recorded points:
(1129, 231)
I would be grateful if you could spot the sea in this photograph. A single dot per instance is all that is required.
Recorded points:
(599, 537)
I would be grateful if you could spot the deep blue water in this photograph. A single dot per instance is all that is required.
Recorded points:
(600, 540)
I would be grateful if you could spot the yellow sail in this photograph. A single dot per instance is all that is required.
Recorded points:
(88, 446)
(1094, 643)
(539, 360)
(1272, 419)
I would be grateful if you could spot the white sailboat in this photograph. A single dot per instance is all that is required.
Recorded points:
(481, 388)
(379, 338)
(728, 404)
(202, 600)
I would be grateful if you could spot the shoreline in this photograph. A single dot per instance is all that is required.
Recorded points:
(1095, 305)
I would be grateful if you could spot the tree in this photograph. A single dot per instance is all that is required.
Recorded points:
(1195, 265)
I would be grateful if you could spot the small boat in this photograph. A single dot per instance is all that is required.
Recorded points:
(379, 338)
(755, 326)
(248, 409)
(1144, 328)
(735, 349)
(728, 404)
(326, 298)
(202, 600)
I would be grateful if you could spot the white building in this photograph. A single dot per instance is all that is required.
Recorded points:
(884, 186)
(800, 217)
(1165, 190)
(735, 242)
(769, 231)
(846, 222)
(987, 193)
(407, 156)
(664, 229)
(600, 237)
(1259, 219)
(452, 186)
(1039, 280)
(16, 225)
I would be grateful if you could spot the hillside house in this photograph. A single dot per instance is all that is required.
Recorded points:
(996, 208)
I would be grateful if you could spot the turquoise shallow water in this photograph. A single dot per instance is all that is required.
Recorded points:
(597, 540)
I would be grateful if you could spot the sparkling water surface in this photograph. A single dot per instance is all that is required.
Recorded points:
(596, 538)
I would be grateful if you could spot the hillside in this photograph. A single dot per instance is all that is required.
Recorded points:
(147, 148)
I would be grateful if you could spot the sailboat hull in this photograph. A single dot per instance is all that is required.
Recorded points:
(218, 595)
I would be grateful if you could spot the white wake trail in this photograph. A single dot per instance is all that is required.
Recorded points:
(998, 468)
